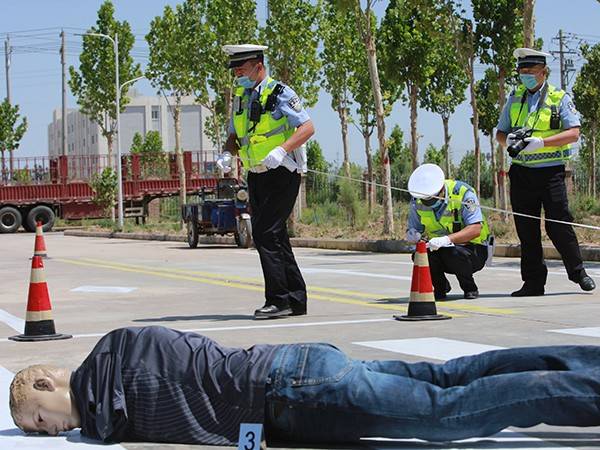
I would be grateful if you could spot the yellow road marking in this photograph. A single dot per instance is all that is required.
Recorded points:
(256, 285)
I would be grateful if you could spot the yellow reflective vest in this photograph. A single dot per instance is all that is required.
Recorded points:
(540, 122)
(257, 139)
(451, 220)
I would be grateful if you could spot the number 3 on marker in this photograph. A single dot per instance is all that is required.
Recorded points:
(250, 436)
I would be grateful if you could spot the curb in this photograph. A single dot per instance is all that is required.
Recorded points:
(378, 246)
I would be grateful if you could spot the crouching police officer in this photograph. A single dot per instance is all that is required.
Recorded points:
(537, 172)
(448, 213)
(268, 125)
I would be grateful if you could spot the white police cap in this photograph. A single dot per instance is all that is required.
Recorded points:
(426, 181)
(239, 54)
(528, 56)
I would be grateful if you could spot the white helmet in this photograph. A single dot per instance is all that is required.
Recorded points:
(426, 181)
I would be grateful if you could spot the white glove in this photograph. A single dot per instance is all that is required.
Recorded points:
(274, 158)
(533, 143)
(224, 162)
(510, 139)
(413, 236)
(439, 242)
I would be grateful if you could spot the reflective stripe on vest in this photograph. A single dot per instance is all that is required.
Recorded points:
(257, 140)
(540, 122)
(456, 191)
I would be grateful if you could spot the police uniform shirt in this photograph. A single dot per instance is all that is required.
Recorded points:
(568, 115)
(288, 104)
(470, 210)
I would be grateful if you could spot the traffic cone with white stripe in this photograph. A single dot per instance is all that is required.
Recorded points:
(39, 325)
(421, 304)
(39, 249)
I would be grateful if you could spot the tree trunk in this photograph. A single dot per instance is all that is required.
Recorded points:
(493, 163)
(363, 22)
(370, 185)
(477, 148)
(110, 163)
(528, 23)
(413, 91)
(3, 174)
(179, 154)
(502, 194)
(343, 115)
(593, 162)
(445, 120)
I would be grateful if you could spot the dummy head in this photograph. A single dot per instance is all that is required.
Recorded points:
(41, 400)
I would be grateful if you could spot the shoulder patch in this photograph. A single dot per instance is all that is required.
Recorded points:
(471, 205)
(572, 107)
(295, 103)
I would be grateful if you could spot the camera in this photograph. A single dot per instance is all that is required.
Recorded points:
(519, 142)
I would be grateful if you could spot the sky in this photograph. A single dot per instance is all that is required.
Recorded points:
(36, 70)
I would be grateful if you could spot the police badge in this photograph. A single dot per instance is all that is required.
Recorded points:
(295, 103)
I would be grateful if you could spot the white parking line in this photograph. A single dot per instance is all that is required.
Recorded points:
(433, 348)
(104, 289)
(355, 273)
(256, 327)
(13, 438)
(14, 322)
(588, 331)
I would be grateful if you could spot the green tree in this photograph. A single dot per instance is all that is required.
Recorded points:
(104, 187)
(498, 31)
(362, 93)
(486, 90)
(172, 42)
(223, 23)
(364, 21)
(339, 54)
(411, 39)
(94, 84)
(11, 133)
(137, 144)
(449, 79)
(435, 156)
(466, 172)
(319, 186)
(586, 93)
(291, 32)
(400, 161)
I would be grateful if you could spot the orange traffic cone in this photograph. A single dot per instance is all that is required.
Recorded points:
(39, 249)
(421, 304)
(39, 325)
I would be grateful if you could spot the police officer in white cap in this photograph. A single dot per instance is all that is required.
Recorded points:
(268, 127)
(537, 171)
(447, 213)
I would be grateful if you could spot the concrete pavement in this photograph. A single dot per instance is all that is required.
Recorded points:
(99, 284)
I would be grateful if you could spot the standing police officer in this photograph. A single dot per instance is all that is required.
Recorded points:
(268, 125)
(448, 212)
(537, 172)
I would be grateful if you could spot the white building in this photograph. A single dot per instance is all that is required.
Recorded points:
(142, 114)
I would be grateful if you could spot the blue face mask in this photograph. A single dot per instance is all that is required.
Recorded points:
(433, 203)
(528, 80)
(245, 82)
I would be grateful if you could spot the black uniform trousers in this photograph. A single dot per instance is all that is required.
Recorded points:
(272, 197)
(530, 189)
(460, 260)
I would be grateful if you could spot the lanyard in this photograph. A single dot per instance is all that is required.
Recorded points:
(540, 102)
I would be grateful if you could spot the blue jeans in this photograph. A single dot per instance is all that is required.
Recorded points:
(315, 393)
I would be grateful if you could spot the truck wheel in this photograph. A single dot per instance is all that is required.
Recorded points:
(42, 214)
(10, 219)
(243, 234)
(192, 233)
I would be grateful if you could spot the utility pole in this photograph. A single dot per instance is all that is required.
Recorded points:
(566, 64)
(7, 52)
(63, 61)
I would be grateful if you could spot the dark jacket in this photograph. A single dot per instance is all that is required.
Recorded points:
(162, 385)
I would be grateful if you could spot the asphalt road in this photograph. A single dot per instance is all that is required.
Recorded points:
(100, 284)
